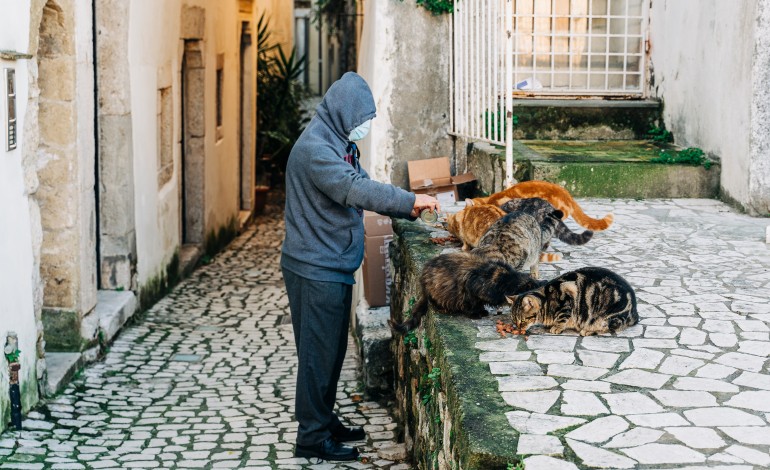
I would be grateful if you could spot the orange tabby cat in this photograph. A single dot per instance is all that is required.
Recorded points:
(559, 197)
(472, 222)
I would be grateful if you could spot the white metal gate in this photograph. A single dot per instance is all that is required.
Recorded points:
(509, 48)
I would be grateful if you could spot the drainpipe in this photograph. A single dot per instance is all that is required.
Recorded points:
(97, 210)
(12, 355)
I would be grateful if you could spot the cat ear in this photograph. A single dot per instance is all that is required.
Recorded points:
(511, 298)
(468, 202)
(558, 214)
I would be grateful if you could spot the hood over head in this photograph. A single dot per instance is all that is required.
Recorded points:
(347, 104)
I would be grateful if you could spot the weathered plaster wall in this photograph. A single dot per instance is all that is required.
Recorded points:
(19, 281)
(404, 56)
(222, 179)
(116, 159)
(759, 166)
(703, 54)
(155, 52)
(281, 15)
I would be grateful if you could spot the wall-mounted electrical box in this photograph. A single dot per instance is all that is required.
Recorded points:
(10, 94)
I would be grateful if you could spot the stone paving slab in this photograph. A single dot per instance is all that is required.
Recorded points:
(205, 380)
(687, 388)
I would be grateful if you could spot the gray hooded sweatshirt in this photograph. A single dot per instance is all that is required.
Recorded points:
(324, 193)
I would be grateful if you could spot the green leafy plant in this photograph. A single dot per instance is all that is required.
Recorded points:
(330, 11)
(408, 313)
(688, 156)
(660, 135)
(515, 466)
(410, 339)
(428, 383)
(438, 7)
(427, 342)
(13, 357)
(280, 118)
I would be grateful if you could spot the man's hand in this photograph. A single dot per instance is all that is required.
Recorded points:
(423, 201)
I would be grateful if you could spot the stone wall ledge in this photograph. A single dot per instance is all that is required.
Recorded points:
(447, 401)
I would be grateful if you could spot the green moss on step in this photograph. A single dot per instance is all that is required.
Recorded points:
(623, 180)
(593, 151)
(158, 286)
(61, 330)
(216, 240)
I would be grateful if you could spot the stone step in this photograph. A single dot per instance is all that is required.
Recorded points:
(608, 169)
(244, 219)
(584, 119)
(189, 255)
(374, 337)
(61, 367)
(113, 309)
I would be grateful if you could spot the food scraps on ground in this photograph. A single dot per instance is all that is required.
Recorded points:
(504, 328)
(444, 240)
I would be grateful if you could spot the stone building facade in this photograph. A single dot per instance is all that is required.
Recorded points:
(133, 152)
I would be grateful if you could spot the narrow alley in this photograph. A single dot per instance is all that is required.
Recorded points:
(205, 379)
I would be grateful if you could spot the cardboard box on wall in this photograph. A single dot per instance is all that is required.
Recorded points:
(377, 225)
(376, 270)
(434, 177)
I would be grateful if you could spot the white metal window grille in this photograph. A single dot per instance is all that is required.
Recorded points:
(507, 48)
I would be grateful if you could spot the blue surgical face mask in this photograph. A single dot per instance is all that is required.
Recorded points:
(360, 132)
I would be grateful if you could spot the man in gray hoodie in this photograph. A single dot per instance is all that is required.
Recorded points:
(326, 193)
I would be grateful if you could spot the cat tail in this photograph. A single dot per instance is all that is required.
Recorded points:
(569, 237)
(597, 225)
(418, 311)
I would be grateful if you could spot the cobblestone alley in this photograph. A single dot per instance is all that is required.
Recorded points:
(205, 380)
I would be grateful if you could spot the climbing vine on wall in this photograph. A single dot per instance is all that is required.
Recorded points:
(437, 7)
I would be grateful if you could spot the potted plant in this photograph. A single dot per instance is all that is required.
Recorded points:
(280, 118)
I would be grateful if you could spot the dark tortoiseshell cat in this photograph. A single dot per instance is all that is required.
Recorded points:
(588, 300)
(540, 209)
(518, 239)
(462, 283)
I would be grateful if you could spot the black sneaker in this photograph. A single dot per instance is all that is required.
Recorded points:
(348, 434)
(328, 450)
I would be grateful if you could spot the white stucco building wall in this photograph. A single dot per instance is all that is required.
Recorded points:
(17, 279)
(704, 58)
(155, 58)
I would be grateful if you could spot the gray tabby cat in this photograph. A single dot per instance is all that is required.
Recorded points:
(518, 239)
(540, 209)
(588, 300)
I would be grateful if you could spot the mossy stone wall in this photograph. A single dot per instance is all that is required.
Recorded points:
(447, 401)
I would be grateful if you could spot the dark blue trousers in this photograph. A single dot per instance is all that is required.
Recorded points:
(320, 314)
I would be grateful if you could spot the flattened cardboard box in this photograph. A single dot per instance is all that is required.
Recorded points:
(434, 177)
(376, 270)
(376, 224)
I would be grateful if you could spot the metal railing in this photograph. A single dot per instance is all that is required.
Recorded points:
(540, 48)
